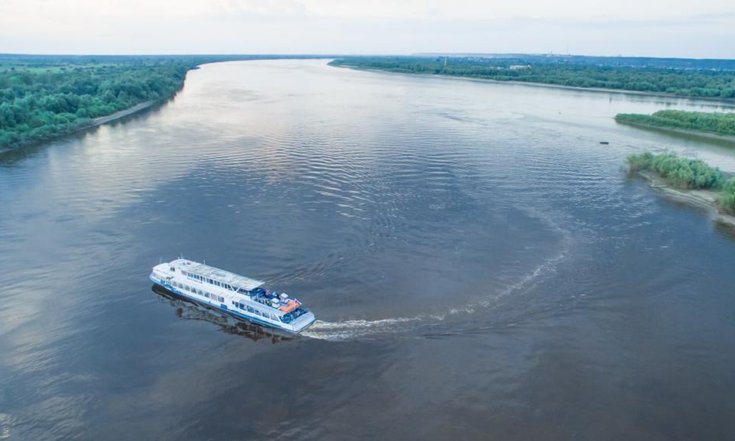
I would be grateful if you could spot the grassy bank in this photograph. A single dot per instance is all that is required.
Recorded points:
(690, 174)
(716, 123)
(679, 77)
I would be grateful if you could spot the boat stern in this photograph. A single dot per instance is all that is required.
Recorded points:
(303, 322)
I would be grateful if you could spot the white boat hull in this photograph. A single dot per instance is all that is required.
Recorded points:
(166, 279)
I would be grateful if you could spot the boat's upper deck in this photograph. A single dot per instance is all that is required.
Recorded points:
(210, 272)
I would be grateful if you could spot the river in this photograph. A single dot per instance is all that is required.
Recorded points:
(481, 267)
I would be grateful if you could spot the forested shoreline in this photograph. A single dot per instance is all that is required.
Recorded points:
(717, 123)
(44, 97)
(712, 79)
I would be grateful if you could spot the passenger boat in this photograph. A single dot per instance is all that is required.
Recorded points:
(238, 295)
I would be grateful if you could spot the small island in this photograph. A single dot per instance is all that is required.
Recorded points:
(689, 180)
(719, 124)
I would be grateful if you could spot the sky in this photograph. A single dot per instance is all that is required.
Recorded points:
(665, 28)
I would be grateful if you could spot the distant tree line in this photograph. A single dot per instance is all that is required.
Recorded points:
(687, 174)
(719, 123)
(693, 78)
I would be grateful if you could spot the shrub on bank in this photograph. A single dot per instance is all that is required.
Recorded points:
(727, 197)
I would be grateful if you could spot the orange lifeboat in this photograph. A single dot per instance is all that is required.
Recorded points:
(290, 306)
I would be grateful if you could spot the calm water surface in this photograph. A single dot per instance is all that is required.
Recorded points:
(481, 267)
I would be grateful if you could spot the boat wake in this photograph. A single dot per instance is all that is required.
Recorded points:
(355, 329)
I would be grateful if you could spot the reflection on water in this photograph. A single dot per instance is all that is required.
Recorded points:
(480, 266)
(189, 310)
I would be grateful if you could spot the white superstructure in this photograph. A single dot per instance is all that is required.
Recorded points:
(238, 295)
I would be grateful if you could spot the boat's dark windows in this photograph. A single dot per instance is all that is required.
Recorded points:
(221, 299)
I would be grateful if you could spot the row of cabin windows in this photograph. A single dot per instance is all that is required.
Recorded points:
(252, 310)
(198, 291)
(210, 281)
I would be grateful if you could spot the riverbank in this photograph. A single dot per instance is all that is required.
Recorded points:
(95, 122)
(704, 199)
(23, 149)
(704, 136)
(122, 113)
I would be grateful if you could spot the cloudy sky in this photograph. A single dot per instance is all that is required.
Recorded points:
(686, 28)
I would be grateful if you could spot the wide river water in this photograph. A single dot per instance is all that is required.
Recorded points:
(481, 267)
